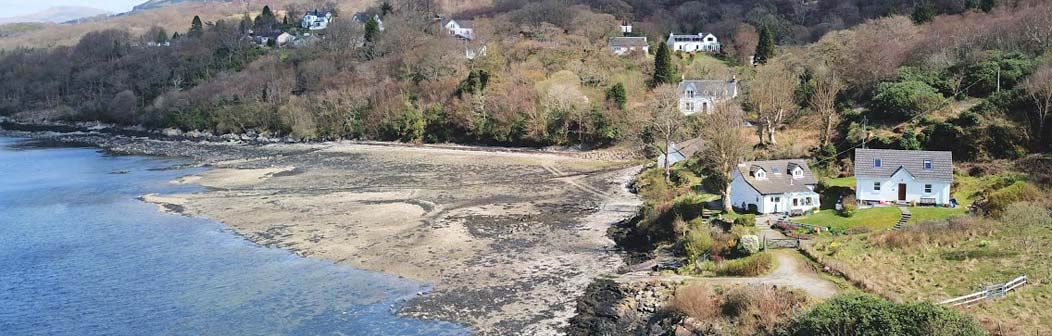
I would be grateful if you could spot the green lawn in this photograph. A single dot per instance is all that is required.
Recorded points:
(847, 182)
(871, 218)
(930, 214)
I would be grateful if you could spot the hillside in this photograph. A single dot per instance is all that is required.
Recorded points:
(154, 4)
(56, 15)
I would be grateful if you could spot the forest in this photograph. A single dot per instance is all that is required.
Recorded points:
(900, 74)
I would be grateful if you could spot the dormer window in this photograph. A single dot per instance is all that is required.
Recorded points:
(798, 173)
(927, 164)
(876, 163)
(760, 175)
(776, 171)
(690, 93)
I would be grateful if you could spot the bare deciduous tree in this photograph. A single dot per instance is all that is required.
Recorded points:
(666, 122)
(724, 146)
(771, 98)
(1039, 87)
(745, 40)
(823, 101)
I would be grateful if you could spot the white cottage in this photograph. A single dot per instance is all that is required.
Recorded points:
(316, 19)
(624, 45)
(902, 176)
(463, 29)
(702, 42)
(703, 95)
(776, 186)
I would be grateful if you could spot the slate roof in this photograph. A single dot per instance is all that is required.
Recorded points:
(779, 183)
(912, 161)
(628, 42)
(710, 88)
(318, 13)
(700, 37)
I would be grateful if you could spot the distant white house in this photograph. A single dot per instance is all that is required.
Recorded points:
(901, 176)
(777, 186)
(463, 29)
(703, 95)
(702, 42)
(626, 45)
(316, 19)
(680, 151)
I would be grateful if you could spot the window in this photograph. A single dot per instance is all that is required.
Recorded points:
(876, 186)
(776, 171)
(690, 93)
(798, 172)
(690, 106)
(927, 188)
(876, 163)
(761, 174)
(796, 202)
(927, 164)
(776, 199)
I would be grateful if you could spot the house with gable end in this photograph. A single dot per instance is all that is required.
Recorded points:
(463, 29)
(316, 19)
(703, 95)
(774, 186)
(903, 176)
(702, 42)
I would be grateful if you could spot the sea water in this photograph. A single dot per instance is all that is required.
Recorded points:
(81, 255)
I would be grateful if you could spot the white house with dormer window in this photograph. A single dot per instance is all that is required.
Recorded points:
(903, 176)
(316, 19)
(703, 95)
(701, 42)
(775, 186)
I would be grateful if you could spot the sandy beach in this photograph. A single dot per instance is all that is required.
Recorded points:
(509, 240)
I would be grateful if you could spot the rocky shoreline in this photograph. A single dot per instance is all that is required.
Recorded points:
(508, 252)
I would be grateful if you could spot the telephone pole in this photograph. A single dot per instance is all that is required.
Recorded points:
(865, 131)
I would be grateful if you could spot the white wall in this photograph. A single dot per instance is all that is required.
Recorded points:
(889, 189)
(742, 192)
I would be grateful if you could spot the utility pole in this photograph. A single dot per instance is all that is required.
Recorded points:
(865, 131)
(998, 78)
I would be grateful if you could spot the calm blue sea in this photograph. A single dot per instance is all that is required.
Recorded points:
(79, 255)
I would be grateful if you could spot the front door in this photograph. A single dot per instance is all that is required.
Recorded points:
(902, 191)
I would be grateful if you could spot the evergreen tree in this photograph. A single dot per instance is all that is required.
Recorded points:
(386, 8)
(987, 5)
(162, 36)
(664, 70)
(266, 20)
(372, 28)
(246, 24)
(616, 94)
(175, 36)
(909, 141)
(765, 47)
(197, 28)
(267, 12)
(923, 12)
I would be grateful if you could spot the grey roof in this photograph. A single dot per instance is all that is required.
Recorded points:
(699, 37)
(710, 88)
(780, 182)
(892, 160)
(628, 42)
(318, 12)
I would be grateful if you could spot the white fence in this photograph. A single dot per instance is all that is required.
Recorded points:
(994, 291)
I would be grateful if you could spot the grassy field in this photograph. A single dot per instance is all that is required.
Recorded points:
(940, 266)
(847, 182)
(873, 219)
(921, 215)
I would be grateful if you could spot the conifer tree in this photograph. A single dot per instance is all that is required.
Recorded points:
(664, 70)
(923, 11)
(765, 47)
(987, 5)
(372, 28)
(196, 27)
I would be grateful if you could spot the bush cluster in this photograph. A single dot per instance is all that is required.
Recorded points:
(862, 314)
(754, 265)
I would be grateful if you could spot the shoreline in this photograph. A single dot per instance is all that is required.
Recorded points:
(509, 240)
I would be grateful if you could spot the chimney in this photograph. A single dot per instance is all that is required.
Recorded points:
(626, 28)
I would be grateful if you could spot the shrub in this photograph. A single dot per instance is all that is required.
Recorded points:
(749, 244)
(863, 314)
(689, 206)
(697, 300)
(754, 265)
(933, 232)
(997, 201)
(696, 244)
(1027, 214)
(848, 209)
(746, 220)
(903, 100)
(761, 310)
